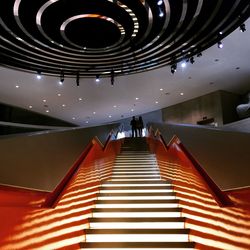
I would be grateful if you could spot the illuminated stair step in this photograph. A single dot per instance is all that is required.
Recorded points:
(119, 191)
(135, 179)
(136, 212)
(137, 203)
(127, 223)
(143, 188)
(138, 182)
(137, 245)
(134, 168)
(142, 194)
(136, 185)
(135, 175)
(138, 235)
(135, 172)
(135, 164)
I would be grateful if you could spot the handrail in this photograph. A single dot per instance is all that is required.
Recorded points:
(221, 197)
(56, 194)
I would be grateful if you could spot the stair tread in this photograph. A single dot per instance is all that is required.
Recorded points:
(170, 209)
(156, 201)
(138, 194)
(138, 182)
(137, 245)
(138, 231)
(137, 187)
(142, 219)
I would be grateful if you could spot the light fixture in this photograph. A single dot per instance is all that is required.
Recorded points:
(30, 106)
(161, 89)
(80, 99)
(17, 86)
(220, 45)
(173, 68)
(159, 2)
(161, 14)
(97, 78)
(199, 54)
(183, 64)
(77, 79)
(181, 93)
(112, 77)
(242, 27)
(191, 60)
(39, 75)
(61, 78)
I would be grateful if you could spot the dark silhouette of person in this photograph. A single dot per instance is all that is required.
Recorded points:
(133, 127)
(140, 126)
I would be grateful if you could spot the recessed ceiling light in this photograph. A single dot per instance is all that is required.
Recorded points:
(156, 102)
(159, 2)
(114, 106)
(60, 82)
(38, 76)
(63, 105)
(181, 93)
(137, 98)
(94, 113)
(30, 106)
(59, 94)
(183, 64)
(73, 118)
(44, 100)
(220, 33)
(132, 110)
(161, 89)
(161, 14)
(167, 93)
(17, 86)
(110, 116)
(47, 111)
(80, 98)
(87, 122)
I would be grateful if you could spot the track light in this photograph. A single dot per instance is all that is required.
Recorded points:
(220, 45)
(173, 68)
(199, 54)
(112, 79)
(242, 27)
(159, 2)
(77, 79)
(191, 60)
(39, 75)
(97, 78)
(61, 78)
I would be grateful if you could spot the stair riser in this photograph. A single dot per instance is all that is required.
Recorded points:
(136, 191)
(136, 205)
(136, 214)
(149, 225)
(137, 238)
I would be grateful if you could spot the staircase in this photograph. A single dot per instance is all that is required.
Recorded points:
(136, 209)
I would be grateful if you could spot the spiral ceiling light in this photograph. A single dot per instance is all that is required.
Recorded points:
(97, 37)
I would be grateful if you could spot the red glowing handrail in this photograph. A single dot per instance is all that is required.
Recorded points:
(55, 195)
(221, 197)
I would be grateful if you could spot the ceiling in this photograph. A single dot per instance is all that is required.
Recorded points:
(131, 45)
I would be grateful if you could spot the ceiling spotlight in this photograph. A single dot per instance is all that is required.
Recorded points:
(61, 78)
(183, 64)
(191, 60)
(97, 78)
(77, 79)
(199, 54)
(242, 27)
(159, 2)
(112, 79)
(173, 68)
(39, 75)
(161, 14)
(220, 45)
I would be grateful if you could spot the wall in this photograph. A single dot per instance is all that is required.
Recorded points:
(40, 161)
(155, 116)
(220, 105)
(229, 102)
(225, 155)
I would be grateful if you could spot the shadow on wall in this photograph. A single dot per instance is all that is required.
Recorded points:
(40, 161)
(225, 155)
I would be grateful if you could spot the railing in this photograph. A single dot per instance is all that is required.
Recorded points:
(72, 200)
(221, 198)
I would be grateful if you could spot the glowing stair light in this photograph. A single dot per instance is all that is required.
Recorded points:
(136, 209)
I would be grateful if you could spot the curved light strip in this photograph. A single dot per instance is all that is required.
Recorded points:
(69, 20)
